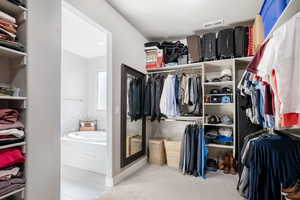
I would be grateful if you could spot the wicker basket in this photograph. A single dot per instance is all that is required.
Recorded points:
(157, 154)
(173, 152)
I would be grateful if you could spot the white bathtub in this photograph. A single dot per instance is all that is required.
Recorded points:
(85, 150)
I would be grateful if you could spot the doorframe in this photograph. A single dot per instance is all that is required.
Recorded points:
(109, 110)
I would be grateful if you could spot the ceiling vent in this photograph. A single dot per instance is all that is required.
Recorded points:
(213, 24)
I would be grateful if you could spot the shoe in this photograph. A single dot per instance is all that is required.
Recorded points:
(291, 189)
(295, 195)
(221, 163)
(226, 164)
(232, 166)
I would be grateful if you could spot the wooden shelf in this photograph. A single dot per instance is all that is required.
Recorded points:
(229, 94)
(218, 104)
(197, 65)
(12, 193)
(12, 145)
(221, 146)
(13, 98)
(219, 83)
(11, 53)
(11, 8)
(220, 125)
(177, 67)
(185, 118)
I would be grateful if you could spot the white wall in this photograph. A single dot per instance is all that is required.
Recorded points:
(127, 47)
(74, 85)
(95, 65)
(43, 116)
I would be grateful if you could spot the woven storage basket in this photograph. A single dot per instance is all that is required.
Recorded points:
(173, 152)
(157, 154)
(136, 145)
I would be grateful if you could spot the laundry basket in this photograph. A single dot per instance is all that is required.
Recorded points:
(157, 154)
(173, 152)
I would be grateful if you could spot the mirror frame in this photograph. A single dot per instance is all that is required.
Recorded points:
(125, 70)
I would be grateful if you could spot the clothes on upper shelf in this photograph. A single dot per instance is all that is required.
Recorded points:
(9, 116)
(8, 32)
(135, 98)
(272, 79)
(268, 161)
(11, 156)
(194, 152)
(11, 129)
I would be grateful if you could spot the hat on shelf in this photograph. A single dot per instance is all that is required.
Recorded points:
(214, 91)
(226, 90)
(213, 119)
(226, 99)
(226, 75)
(224, 131)
(227, 120)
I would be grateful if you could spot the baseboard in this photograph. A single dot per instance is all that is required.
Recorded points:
(112, 181)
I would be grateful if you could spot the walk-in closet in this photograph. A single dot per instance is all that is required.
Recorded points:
(221, 103)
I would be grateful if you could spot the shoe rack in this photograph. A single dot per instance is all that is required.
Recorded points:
(14, 74)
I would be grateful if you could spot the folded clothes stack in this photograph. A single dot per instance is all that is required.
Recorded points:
(11, 128)
(18, 2)
(8, 32)
(11, 170)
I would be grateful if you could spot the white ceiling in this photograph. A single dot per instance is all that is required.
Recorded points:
(159, 19)
(80, 37)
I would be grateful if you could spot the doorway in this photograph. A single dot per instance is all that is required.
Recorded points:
(85, 157)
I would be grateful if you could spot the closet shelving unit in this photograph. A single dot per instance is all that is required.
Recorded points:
(237, 65)
(13, 73)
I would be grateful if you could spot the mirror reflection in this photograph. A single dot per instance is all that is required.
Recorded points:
(134, 123)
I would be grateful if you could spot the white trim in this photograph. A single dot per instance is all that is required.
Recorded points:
(110, 164)
(112, 181)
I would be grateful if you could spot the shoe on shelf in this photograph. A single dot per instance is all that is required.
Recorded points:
(291, 188)
(221, 163)
(232, 166)
(226, 164)
(294, 195)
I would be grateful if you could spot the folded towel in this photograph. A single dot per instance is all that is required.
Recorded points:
(10, 157)
(8, 17)
(15, 132)
(16, 125)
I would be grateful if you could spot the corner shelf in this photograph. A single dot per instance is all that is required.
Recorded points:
(218, 104)
(13, 98)
(221, 146)
(219, 83)
(12, 145)
(11, 53)
(219, 125)
(12, 193)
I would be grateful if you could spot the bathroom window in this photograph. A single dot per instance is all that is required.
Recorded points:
(102, 91)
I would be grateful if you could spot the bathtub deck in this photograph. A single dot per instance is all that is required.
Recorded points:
(79, 184)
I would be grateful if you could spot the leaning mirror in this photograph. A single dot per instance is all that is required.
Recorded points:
(133, 123)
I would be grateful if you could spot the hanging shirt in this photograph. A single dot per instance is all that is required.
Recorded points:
(168, 104)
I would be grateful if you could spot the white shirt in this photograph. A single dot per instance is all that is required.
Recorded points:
(282, 54)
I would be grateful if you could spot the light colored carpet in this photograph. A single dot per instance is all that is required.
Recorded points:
(161, 183)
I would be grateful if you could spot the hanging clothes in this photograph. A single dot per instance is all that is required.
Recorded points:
(274, 72)
(135, 107)
(168, 102)
(268, 161)
(194, 151)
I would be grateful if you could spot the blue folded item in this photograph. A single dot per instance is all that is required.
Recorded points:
(270, 12)
(224, 139)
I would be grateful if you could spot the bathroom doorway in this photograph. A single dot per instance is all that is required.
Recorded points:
(84, 107)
